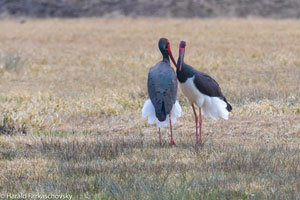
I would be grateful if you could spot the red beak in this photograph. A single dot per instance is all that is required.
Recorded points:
(170, 54)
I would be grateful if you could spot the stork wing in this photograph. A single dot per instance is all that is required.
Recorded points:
(207, 85)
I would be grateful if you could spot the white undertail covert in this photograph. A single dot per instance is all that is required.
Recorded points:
(149, 111)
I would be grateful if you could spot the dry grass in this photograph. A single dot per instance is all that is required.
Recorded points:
(71, 93)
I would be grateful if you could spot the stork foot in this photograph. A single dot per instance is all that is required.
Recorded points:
(200, 144)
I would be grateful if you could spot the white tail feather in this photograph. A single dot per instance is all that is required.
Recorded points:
(149, 111)
(214, 107)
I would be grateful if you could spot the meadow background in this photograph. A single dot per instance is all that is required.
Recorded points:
(72, 90)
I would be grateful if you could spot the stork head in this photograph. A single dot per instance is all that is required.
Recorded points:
(181, 54)
(164, 47)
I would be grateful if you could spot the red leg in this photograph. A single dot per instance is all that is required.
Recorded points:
(200, 123)
(196, 121)
(172, 139)
(159, 136)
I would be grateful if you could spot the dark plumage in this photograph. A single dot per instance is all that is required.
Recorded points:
(162, 88)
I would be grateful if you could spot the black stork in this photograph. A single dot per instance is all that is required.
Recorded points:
(201, 90)
(162, 107)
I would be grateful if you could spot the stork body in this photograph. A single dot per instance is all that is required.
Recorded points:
(162, 108)
(201, 90)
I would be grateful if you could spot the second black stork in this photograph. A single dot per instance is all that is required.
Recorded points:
(162, 108)
(201, 90)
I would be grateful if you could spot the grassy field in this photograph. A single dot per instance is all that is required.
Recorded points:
(71, 94)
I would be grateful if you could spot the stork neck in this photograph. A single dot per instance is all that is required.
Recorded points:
(179, 62)
(165, 55)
